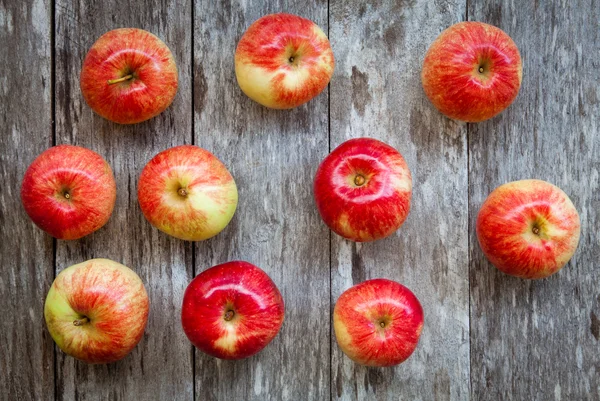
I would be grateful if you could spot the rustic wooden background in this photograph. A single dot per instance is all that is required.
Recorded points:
(487, 336)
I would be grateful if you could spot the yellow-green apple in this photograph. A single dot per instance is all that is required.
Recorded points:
(186, 192)
(128, 76)
(96, 311)
(232, 310)
(69, 191)
(378, 322)
(472, 71)
(528, 228)
(283, 61)
(363, 189)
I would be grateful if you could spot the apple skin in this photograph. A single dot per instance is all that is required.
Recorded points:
(282, 61)
(69, 191)
(186, 192)
(375, 208)
(472, 71)
(528, 228)
(232, 310)
(120, 53)
(96, 311)
(378, 322)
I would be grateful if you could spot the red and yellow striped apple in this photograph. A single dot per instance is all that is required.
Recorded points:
(363, 189)
(128, 76)
(283, 61)
(186, 192)
(472, 71)
(378, 322)
(528, 228)
(96, 311)
(69, 191)
(232, 310)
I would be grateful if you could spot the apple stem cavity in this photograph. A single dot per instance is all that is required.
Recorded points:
(81, 322)
(229, 315)
(122, 79)
(359, 180)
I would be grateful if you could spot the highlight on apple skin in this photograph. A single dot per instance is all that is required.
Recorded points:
(528, 228)
(282, 61)
(472, 71)
(128, 76)
(96, 311)
(186, 192)
(69, 191)
(362, 190)
(378, 322)
(232, 310)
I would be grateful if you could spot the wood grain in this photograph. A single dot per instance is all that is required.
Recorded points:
(26, 256)
(539, 340)
(376, 92)
(160, 367)
(273, 156)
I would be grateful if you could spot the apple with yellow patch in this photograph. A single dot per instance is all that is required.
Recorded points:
(282, 61)
(96, 311)
(232, 310)
(186, 192)
(528, 228)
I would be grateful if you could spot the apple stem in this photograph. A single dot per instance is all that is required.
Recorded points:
(182, 192)
(535, 230)
(481, 70)
(359, 180)
(81, 322)
(67, 195)
(122, 79)
(229, 315)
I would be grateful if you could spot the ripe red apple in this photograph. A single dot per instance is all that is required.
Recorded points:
(232, 310)
(363, 189)
(128, 76)
(472, 71)
(69, 191)
(378, 322)
(186, 192)
(96, 311)
(283, 61)
(528, 228)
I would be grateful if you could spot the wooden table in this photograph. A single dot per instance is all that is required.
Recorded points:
(487, 336)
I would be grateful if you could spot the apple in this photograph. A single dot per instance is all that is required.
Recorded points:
(186, 192)
(362, 190)
(378, 322)
(232, 310)
(128, 76)
(96, 311)
(69, 191)
(282, 61)
(528, 228)
(472, 71)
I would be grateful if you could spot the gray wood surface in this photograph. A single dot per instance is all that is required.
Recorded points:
(539, 340)
(160, 367)
(26, 255)
(487, 336)
(273, 156)
(376, 92)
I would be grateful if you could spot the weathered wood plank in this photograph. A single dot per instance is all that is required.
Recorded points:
(376, 92)
(161, 366)
(26, 252)
(273, 156)
(539, 340)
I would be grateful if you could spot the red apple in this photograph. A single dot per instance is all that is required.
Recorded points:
(232, 310)
(186, 192)
(283, 61)
(128, 76)
(96, 311)
(472, 71)
(378, 322)
(363, 189)
(528, 228)
(69, 191)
